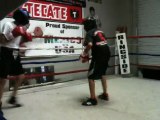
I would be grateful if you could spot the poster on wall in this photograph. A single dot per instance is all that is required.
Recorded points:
(53, 11)
(54, 20)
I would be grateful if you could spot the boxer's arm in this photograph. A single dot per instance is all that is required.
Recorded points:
(84, 57)
(7, 32)
(21, 31)
(88, 43)
(6, 35)
(87, 48)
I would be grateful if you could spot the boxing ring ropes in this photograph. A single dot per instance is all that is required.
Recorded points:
(116, 65)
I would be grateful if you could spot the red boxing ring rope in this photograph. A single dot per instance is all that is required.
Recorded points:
(70, 38)
(80, 38)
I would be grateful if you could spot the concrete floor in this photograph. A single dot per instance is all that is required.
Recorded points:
(130, 99)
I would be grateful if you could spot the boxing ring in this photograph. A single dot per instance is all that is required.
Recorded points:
(130, 97)
(64, 84)
(74, 69)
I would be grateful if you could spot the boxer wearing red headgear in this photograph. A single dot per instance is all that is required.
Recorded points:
(95, 41)
(12, 34)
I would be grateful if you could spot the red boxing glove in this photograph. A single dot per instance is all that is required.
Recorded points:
(84, 58)
(20, 31)
(28, 36)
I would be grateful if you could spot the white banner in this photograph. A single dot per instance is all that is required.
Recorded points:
(55, 29)
(50, 46)
(123, 53)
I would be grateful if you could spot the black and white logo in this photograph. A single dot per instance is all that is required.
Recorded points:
(74, 14)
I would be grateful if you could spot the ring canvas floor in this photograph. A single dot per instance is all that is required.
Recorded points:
(130, 99)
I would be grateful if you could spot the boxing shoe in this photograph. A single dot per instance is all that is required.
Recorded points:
(13, 101)
(90, 102)
(104, 96)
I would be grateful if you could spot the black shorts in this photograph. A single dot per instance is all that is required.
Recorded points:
(10, 62)
(99, 62)
(97, 69)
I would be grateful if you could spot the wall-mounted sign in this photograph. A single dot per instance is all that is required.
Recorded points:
(123, 53)
(53, 11)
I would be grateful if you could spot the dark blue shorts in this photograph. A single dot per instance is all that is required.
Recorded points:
(97, 69)
(10, 62)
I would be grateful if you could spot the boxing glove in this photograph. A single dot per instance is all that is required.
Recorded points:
(28, 36)
(84, 58)
(20, 31)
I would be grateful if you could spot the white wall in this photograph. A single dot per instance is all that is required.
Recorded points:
(148, 20)
(113, 13)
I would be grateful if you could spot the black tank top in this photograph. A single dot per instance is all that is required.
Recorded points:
(100, 49)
